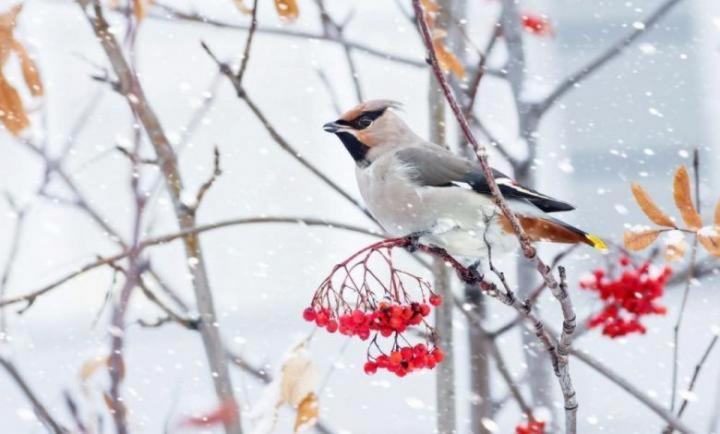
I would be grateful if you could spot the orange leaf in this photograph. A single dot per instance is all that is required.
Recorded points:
(683, 199)
(287, 9)
(8, 20)
(240, 4)
(12, 112)
(710, 239)
(307, 413)
(654, 213)
(226, 412)
(717, 214)
(447, 60)
(29, 70)
(640, 239)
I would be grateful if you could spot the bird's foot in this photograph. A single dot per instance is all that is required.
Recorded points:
(413, 241)
(472, 275)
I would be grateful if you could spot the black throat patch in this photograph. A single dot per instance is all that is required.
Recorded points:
(356, 148)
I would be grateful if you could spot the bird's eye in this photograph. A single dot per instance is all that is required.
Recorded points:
(364, 122)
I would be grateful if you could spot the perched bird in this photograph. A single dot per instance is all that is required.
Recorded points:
(414, 187)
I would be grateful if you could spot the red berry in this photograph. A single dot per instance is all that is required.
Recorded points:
(358, 316)
(438, 355)
(370, 368)
(424, 309)
(321, 319)
(309, 314)
(435, 300)
(395, 358)
(332, 326)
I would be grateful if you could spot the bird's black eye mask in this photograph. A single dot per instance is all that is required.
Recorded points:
(363, 121)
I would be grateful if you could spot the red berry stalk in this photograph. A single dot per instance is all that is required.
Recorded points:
(368, 297)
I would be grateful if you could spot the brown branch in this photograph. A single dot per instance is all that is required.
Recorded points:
(561, 361)
(205, 187)
(693, 380)
(248, 42)
(612, 52)
(686, 290)
(40, 410)
(138, 103)
(631, 389)
(275, 135)
(175, 15)
(13, 249)
(31, 296)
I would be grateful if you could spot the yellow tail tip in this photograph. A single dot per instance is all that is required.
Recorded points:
(597, 242)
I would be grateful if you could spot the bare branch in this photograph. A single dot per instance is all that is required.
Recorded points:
(40, 410)
(248, 43)
(205, 187)
(612, 52)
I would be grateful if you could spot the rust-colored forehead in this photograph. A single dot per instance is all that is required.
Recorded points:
(368, 106)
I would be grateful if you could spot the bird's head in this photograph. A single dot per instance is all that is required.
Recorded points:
(371, 128)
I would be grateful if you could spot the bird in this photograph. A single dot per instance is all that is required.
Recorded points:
(416, 188)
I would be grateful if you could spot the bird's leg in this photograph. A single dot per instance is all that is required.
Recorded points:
(414, 241)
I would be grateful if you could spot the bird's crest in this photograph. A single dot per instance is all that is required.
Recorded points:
(370, 106)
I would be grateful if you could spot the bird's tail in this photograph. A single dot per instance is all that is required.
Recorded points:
(546, 228)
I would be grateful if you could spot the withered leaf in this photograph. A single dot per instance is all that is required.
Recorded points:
(648, 206)
(709, 237)
(287, 9)
(683, 199)
(140, 9)
(640, 239)
(307, 412)
(674, 251)
(12, 112)
(447, 60)
(717, 214)
(29, 70)
(299, 377)
(240, 4)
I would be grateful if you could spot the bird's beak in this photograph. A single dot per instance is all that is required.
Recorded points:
(331, 127)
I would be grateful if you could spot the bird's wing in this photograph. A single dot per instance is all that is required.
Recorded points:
(438, 167)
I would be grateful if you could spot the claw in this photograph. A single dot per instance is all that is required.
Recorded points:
(414, 241)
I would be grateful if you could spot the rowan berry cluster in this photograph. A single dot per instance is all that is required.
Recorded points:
(366, 296)
(627, 297)
(533, 427)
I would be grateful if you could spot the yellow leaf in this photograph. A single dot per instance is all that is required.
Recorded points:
(640, 239)
(240, 4)
(307, 413)
(683, 199)
(447, 60)
(287, 9)
(29, 70)
(651, 210)
(709, 237)
(12, 112)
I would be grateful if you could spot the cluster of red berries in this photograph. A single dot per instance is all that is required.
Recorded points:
(404, 360)
(386, 318)
(538, 25)
(534, 427)
(627, 297)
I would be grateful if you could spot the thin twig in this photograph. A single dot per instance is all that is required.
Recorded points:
(40, 410)
(613, 51)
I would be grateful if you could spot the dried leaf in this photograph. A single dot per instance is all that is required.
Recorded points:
(447, 60)
(651, 210)
(709, 237)
(12, 112)
(299, 377)
(226, 412)
(90, 367)
(29, 70)
(140, 9)
(8, 20)
(287, 9)
(112, 405)
(240, 4)
(640, 239)
(717, 214)
(683, 199)
(307, 413)
(675, 251)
